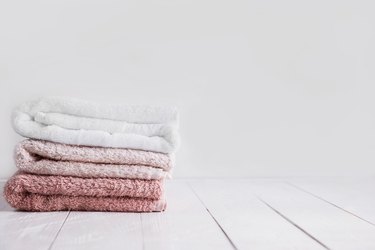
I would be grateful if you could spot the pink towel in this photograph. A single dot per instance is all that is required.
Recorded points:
(49, 158)
(50, 193)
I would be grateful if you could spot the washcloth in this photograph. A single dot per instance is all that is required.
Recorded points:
(51, 193)
(49, 158)
(78, 122)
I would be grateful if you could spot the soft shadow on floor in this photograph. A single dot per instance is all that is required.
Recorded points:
(4, 206)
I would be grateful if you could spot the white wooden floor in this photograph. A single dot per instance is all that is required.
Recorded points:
(325, 213)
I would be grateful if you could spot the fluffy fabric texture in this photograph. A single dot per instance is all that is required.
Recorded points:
(78, 122)
(49, 158)
(51, 193)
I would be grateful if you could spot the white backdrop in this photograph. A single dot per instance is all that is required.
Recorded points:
(264, 87)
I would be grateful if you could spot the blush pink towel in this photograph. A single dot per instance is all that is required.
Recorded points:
(49, 158)
(51, 193)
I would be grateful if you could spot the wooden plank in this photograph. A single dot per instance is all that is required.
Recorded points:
(248, 222)
(185, 224)
(100, 230)
(25, 230)
(328, 224)
(34, 230)
(356, 196)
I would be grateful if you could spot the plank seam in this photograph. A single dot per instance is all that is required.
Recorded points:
(333, 204)
(58, 232)
(293, 223)
(213, 217)
(142, 231)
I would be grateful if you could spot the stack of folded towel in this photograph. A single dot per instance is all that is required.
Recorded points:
(83, 155)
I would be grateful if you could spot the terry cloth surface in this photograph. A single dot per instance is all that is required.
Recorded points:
(49, 158)
(51, 193)
(79, 122)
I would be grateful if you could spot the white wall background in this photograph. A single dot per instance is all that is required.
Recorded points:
(265, 87)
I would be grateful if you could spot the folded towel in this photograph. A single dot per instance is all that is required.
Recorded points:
(49, 158)
(78, 122)
(51, 193)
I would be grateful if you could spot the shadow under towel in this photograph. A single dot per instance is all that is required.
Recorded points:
(52, 193)
(49, 158)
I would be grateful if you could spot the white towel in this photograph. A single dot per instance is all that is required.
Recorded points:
(78, 122)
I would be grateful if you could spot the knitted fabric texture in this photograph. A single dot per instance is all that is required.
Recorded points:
(51, 193)
(79, 122)
(49, 158)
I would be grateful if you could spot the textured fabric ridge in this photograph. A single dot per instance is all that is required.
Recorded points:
(79, 122)
(43, 157)
(50, 193)
(95, 187)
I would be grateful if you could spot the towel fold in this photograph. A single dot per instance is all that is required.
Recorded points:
(51, 193)
(79, 122)
(49, 158)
